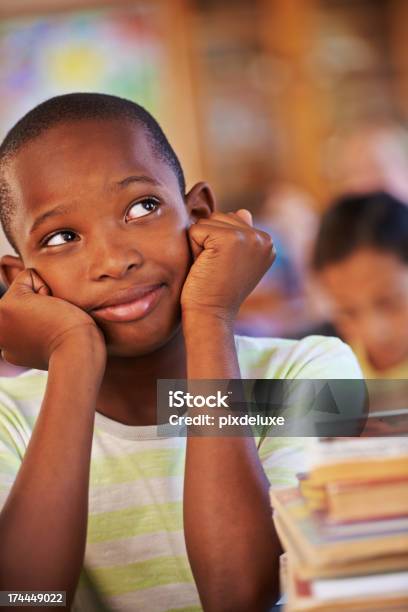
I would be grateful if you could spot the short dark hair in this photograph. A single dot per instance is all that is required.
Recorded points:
(374, 220)
(77, 107)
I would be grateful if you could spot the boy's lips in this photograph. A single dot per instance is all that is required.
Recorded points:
(130, 304)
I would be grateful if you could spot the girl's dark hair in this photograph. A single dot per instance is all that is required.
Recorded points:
(374, 220)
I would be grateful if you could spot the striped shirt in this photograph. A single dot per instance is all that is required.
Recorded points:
(135, 556)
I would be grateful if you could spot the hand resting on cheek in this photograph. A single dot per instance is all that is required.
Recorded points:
(230, 258)
(34, 324)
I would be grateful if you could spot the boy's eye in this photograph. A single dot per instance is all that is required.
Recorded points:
(59, 238)
(139, 209)
(143, 208)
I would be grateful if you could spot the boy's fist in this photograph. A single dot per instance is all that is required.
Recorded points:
(33, 324)
(231, 257)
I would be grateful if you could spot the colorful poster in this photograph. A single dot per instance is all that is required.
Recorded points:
(109, 51)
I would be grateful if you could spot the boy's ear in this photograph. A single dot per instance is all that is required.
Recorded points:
(10, 266)
(200, 201)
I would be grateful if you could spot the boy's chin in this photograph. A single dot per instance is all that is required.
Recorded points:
(140, 346)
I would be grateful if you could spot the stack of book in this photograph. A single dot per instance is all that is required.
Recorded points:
(345, 528)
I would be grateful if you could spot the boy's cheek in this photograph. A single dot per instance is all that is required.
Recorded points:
(175, 251)
(185, 276)
(62, 286)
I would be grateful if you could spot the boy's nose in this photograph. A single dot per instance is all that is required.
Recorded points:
(113, 258)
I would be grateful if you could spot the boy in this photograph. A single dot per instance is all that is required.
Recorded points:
(361, 260)
(122, 279)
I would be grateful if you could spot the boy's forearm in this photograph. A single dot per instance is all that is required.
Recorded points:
(231, 541)
(43, 523)
(210, 347)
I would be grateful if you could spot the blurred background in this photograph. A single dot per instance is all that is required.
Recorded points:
(282, 105)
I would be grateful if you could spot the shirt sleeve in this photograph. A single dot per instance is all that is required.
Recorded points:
(14, 437)
(320, 357)
(313, 358)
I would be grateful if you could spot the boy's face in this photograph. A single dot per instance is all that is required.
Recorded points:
(369, 291)
(123, 226)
